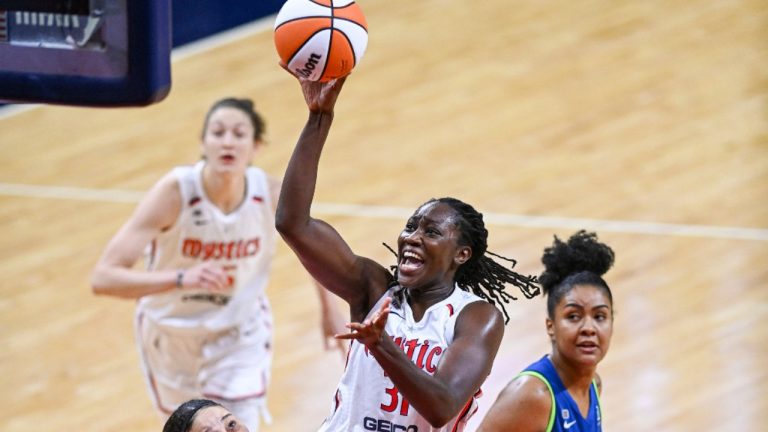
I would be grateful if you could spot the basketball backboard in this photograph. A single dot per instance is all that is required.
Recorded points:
(85, 52)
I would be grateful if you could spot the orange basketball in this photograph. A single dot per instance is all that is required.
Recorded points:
(321, 40)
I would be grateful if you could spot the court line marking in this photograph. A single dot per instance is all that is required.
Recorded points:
(402, 213)
(8, 111)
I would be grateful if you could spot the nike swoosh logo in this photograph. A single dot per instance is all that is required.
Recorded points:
(567, 425)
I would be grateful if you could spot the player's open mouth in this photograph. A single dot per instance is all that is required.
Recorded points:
(587, 347)
(410, 262)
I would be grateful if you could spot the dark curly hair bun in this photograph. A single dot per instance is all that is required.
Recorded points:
(582, 252)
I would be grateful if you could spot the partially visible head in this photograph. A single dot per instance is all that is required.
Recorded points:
(232, 132)
(246, 107)
(446, 240)
(579, 301)
(199, 415)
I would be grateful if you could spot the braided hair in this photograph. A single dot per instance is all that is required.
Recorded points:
(481, 274)
(182, 418)
(244, 105)
(582, 260)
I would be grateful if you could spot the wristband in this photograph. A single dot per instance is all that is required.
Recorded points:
(179, 278)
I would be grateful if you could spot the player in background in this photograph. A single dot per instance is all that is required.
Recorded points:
(424, 336)
(203, 320)
(561, 391)
(203, 415)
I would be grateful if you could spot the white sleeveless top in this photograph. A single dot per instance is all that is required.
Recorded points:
(243, 242)
(367, 400)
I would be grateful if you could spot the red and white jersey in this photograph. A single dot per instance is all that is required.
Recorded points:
(366, 399)
(243, 242)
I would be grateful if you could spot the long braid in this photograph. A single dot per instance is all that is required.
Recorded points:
(481, 274)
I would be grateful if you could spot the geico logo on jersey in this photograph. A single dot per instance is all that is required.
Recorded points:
(422, 354)
(373, 424)
(196, 248)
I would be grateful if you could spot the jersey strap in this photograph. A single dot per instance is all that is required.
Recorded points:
(599, 404)
(551, 395)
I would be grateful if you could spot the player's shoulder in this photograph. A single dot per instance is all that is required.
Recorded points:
(480, 312)
(530, 391)
(479, 322)
(172, 179)
(524, 402)
(166, 187)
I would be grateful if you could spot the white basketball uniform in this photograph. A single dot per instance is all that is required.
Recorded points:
(366, 399)
(195, 343)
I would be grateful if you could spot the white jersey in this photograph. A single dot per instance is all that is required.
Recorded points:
(366, 399)
(242, 242)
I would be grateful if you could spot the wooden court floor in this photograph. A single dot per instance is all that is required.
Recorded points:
(644, 121)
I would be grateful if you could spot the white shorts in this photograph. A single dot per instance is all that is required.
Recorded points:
(231, 366)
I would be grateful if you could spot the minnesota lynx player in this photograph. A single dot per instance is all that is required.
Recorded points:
(560, 392)
(203, 321)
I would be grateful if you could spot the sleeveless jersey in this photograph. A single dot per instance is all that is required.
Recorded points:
(366, 399)
(565, 415)
(243, 242)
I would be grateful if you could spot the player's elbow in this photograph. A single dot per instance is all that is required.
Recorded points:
(99, 284)
(438, 420)
(288, 227)
(282, 225)
(441, 414)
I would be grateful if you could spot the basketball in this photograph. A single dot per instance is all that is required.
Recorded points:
(320, 40)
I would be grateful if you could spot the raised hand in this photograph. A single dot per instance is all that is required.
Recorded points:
(319, 96)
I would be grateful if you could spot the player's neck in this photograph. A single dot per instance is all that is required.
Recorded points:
(225, 191)
(576, 378)
(422, 299)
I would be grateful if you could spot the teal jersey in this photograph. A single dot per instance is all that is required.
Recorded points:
(565, 415)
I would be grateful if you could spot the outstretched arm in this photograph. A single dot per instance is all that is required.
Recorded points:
(114, 273)
(331, 320)
(320, 248)
(462, 368)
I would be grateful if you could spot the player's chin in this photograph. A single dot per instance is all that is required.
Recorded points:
(228, 166)
(588, 357)
(408, 277)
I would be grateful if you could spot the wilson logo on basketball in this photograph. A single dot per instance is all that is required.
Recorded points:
(310, 65)
(196, 248)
